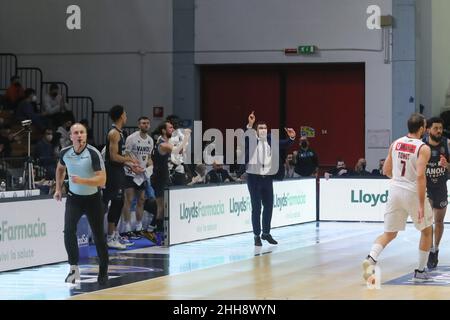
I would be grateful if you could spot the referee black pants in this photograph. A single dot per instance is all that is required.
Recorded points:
(261, 193)
(92, 206)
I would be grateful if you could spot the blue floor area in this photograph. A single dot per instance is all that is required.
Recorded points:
(440, 277)
(143, 261)
(138, 244)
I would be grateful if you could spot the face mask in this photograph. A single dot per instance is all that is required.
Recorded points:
(363, 166)
(304, 144)
(49, 137)
(54, 94)
(34, 99)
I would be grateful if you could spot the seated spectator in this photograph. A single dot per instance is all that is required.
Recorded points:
(64, 133)
(289, 166)
(54, 106)
(26, 110)
(218, 174)
(46, 153)
(199, 175)
(339, 171)
(306, 160)
(14, 93)
(5, 142)
(360, 168)
(379, 172)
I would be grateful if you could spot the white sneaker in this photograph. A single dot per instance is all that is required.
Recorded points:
(114, 243)
(74, 274)
(123, 240)
(368, 267)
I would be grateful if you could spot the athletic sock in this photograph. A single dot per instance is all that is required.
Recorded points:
(375, 251)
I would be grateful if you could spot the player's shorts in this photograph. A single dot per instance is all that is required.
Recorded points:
(129, 183)
(438, 196)
(159, 184)
(401, 204)
(115, 177)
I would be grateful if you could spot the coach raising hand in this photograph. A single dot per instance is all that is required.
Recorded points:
(86, 171)
(259, 160)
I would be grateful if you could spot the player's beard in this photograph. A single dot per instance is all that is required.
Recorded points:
(436, 139)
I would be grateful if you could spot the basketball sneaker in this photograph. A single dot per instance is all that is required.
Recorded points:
(113, 243)
(124, 240)
(74, 274)
(421, 276)
(368, 269)
(149, 235)
(433, 260)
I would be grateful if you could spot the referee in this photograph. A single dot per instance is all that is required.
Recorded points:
(86, 171)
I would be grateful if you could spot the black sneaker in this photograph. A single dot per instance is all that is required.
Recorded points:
(102, 279)
(268, 238)
(433, 260)
(132, 235)
(258, 242)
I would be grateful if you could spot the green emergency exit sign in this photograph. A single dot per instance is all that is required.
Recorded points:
(306, 49)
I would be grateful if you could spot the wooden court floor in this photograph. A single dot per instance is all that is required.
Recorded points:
(329, 270)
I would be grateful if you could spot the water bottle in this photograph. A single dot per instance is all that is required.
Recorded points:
(3, 186)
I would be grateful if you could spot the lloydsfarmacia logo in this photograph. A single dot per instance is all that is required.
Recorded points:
(197, 209)
(369, 198)
(22, 231)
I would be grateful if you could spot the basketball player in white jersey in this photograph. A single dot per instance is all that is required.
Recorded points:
(406, 165)
(139, 145)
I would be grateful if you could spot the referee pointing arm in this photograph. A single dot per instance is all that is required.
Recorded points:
(86, 171)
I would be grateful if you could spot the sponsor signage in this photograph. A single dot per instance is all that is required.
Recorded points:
(31, 233)
(19, 194)
(208, 212)
(354, 199)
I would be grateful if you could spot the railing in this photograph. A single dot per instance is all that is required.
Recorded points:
(8, 68)
(63, 88)
(129, 130)
(31, 78)
(82, 108)
(100, 126)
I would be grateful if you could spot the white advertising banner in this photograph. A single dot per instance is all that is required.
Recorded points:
(31, 233)
(354, 199)
(19, 193)
(208, 212)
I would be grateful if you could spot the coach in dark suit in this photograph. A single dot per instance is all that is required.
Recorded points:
(259, 158)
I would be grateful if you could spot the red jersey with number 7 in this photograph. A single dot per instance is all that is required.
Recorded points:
(405, 152)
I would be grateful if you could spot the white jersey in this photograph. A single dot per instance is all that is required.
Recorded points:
(405, 152)
(139, 148)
